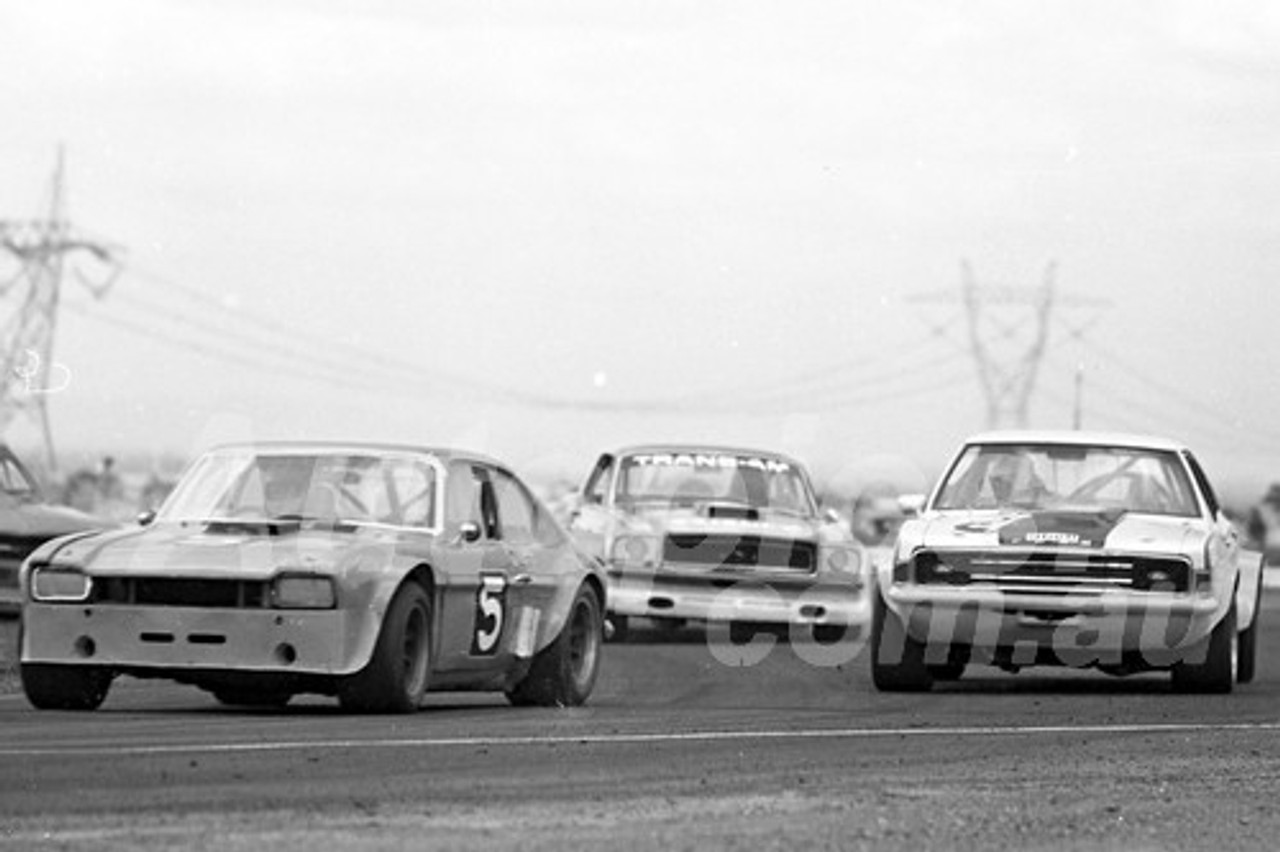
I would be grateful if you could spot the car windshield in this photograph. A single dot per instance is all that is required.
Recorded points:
(689, 479)
(1069, 477)
(250, 485)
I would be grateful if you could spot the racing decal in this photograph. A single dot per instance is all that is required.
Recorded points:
(721, 460)
(1060, 529)
(491, 614)
(527, 631)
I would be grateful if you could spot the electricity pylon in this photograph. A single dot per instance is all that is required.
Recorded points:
(37, 253)
(1007, 332)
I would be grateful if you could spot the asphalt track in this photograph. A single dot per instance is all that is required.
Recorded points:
(677, 749)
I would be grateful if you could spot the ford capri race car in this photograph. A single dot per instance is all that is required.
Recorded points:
(1069, 549)
(719, 534)
(369, 573)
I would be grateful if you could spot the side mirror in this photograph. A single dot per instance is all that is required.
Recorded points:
(145, 518)
(468, 532)
(911, 504)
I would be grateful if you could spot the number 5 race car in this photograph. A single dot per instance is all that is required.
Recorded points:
(1069, 549)
(720, 534)
(369, 573)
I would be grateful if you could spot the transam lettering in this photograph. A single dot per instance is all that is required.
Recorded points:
(710, 460)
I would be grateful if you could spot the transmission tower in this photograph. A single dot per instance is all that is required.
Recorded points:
(35, 256)
(1007, 331)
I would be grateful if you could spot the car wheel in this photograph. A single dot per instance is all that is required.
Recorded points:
(1210, 666)
(55, 687)
(564, 673)
(246, 698)
(946, 671)
(897, 660)
(1247, 643)
(395, 679)
(829, 634)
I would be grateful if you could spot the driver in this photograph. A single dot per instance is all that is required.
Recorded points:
(1012, 478)
(284, 489)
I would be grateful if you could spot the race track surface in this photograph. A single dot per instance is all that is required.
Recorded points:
(677, 750)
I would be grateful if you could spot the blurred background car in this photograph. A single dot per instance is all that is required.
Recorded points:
(28, 520)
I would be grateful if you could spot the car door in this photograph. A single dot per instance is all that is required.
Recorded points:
(540, 559)
(476, 575)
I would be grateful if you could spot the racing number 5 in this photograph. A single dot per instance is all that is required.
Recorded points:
(491, 607)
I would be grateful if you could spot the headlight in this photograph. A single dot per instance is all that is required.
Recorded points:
(933, 568)
(53, 583)
(291, 591)
(635, 551)
(841, 560)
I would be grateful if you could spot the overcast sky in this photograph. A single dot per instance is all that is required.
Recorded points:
(545, 228)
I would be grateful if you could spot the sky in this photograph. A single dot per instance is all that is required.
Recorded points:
(543, 229)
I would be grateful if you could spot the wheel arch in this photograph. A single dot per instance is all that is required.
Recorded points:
(1248, 590)
(364, 635)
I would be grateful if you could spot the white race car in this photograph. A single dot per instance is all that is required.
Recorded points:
(720, 534)
(1069, 549)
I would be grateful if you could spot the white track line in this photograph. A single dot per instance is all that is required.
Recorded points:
(631, 739)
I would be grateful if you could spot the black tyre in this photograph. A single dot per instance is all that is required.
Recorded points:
(946, 671)
(897, 660)
(1247, 643)
(1210, 666)
(395, 679)
(56, 687)
(564, 673)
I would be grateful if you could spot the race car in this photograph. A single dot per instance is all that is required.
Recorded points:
(720, 534)
(372, 573)
(1077, 549)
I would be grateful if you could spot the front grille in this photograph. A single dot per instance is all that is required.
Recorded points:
(746, 551)
(8, 576)
(1051, 572)
(182, 592)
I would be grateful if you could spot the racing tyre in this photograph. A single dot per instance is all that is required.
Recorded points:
(563, 673)
(947, 671)
(1210, 666)
(395, 679)
(897, 660)
(1247, 644)
(55, 687)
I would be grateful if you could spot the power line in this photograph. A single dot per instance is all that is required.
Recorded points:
(41, 248)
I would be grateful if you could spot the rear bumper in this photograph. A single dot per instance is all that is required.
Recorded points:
(1096, 626)
(177, 639)
(759, 600)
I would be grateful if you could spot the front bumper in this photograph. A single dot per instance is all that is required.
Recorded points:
(761, 600)
(173, 639)
(1110, 622)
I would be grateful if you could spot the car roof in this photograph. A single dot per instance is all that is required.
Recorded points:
(444, 454)
(1079, 438)
(705, 449)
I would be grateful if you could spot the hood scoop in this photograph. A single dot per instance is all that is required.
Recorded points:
(1071, 529)
(735, 511)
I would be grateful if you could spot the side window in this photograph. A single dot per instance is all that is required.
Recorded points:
(597, 485)
(463, 497)
(1202, 482)
(515, 509)
(413, 485)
